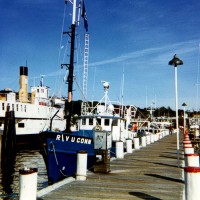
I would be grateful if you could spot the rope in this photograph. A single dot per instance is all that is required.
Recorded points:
(113, 152)
(56, 159)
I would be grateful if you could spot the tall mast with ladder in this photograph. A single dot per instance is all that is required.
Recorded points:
(70, 66)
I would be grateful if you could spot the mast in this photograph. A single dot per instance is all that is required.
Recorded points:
(68, 105)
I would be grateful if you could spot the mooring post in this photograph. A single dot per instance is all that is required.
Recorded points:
(156, 137)
(161, 135)
(81, 172)
(144, 141)
(1, 135)
(188, 150)
(28, 184)
(187, 143)
(8, 145)
(148, 139)
(119, 149)
(129, 145)
(192, 182)
(136, 143)
(191, 160)
(152, 138)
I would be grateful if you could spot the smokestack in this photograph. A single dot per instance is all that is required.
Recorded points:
(23, 92)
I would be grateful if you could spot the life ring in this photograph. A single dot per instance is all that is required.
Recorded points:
(97, 128)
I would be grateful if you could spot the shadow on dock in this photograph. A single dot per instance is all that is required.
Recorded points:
(143, 196)
(157, 163)
(166, 178)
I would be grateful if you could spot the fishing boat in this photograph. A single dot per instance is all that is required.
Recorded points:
(34, 111)
(60, 148)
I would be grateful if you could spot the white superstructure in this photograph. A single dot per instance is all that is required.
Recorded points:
(106, 117)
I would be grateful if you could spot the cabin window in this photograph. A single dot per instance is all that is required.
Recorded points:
(21, 108)
(21, 125)
(84, 121)
(17, 107)
(115, 122)
(3, 106)
(25, 108)
(107, 122)
(98, 121)
(90, 121)
(13, 107)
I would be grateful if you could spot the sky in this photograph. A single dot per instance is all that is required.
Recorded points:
(131, 43)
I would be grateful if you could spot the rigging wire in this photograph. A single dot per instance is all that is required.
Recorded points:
(59, 53)
(93, 88)
(79, 60)
(63, 53)
(80, 90)
(79, 52)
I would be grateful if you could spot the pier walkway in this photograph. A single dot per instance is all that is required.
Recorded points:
(149, 173)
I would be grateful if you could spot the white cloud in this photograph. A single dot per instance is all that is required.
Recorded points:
(156, 55)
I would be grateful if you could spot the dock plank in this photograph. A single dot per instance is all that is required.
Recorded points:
(151, 172)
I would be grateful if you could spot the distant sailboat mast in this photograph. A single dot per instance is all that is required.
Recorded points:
(122, 94)
(197, 83)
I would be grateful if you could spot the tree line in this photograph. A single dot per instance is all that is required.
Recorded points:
(142, 112)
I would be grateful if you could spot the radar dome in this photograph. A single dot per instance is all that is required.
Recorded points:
(110, 108)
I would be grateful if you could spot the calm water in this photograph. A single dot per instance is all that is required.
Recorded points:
(9, 187)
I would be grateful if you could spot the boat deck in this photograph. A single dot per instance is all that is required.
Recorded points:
(149, 173)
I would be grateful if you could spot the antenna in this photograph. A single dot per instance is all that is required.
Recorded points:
(42, 80)
(146, 97)
(79, 13)
(122, 93)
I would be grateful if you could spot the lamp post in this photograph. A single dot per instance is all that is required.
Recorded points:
(175, 62)
(184, 105)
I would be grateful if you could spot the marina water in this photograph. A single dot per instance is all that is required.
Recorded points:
(9, 180)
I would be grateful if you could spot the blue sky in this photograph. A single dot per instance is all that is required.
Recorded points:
(138, 37)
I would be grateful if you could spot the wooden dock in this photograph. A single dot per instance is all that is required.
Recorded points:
(151, 173)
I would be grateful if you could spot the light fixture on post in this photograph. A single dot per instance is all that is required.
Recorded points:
(175, 62)
(184, 105)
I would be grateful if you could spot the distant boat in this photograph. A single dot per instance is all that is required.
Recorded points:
(34, 111)
(60, 148)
